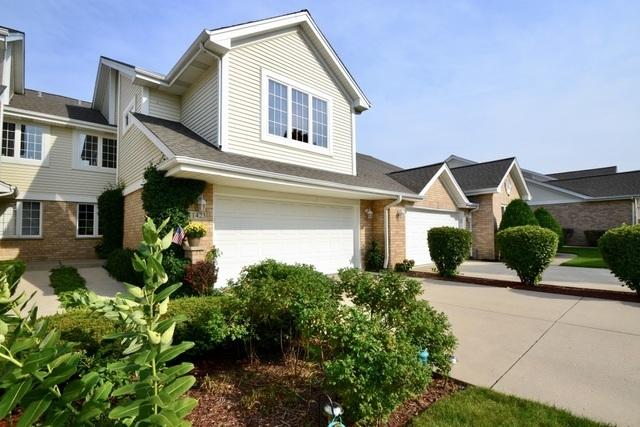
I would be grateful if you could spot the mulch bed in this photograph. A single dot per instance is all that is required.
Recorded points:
(550, 289)
(282, 393)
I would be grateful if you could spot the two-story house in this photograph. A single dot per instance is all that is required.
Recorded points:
(57, 155)
(265, 113)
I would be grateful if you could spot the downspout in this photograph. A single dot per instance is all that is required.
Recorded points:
(634, 213)
(469, 215)
(387, 231)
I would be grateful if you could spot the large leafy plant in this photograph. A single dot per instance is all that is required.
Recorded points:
(155, 395)
(36, 368)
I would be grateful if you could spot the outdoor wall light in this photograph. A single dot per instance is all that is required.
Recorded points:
(401, 212)
(369, 213)
(202, 204)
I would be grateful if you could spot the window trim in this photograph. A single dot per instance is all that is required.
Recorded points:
(130, 108)
(17, 140)
(79, 164)
(96, 218)
(18, 225)
(289, 141)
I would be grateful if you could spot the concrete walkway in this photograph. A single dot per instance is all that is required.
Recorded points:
(575, 353)
(580, 277)
(36, 279)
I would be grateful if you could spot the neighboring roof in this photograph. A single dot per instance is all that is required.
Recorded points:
(584, 173)
(57, 105)
(416, 178)
(482, 176)
(612, 185)
(181, 141)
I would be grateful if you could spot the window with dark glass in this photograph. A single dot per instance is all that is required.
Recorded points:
(30, 219)
(87, 219)
(109, 153)
(89, 153)
(8, 139)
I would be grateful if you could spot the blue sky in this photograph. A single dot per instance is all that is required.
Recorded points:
(555, 83)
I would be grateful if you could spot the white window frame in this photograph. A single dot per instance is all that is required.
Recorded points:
(78, 163)
(289, 141)
(96, 218)
(18, 224)
(130, 108)
(44, 146)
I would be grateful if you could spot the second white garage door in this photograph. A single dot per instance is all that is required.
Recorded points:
(249, 230)
(418, 223)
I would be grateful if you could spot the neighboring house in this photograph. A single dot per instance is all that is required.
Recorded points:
(591, 199)
(57, 155)
(491, 185)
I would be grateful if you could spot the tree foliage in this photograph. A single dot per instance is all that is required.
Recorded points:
(516, 214)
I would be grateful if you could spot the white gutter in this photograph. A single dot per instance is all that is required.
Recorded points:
(387, 232)
(56, 120)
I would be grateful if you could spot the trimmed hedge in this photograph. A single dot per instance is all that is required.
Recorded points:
(593, 236)
(546, 220)
(516, 214)
(527, 249)
(448, 248)
(78, 325)
(620, 248)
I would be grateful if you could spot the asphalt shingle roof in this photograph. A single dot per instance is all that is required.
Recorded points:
(57, 105)
(584, 173)
(481, 176)
(612, 185)
(371, 172)
(416, 178)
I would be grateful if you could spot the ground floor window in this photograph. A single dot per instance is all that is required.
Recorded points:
(88, 224)
(20, 219)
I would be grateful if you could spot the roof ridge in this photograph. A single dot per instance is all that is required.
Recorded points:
(417, 167)
(485, 163)
(593, 176)
(583, 170)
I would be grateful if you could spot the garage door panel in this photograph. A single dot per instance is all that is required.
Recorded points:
(417, 225)
(250, 230)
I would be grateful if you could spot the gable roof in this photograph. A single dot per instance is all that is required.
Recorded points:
(610, 185)
(482, 176)
(181, 142)
(416, 178)
(57, 105)
(607, 170)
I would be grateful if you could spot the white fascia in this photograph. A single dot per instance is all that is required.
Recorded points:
(56, 120)
(521, 181)
(451, 184)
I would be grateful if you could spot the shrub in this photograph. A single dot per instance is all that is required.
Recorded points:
(620, 248)
(201, 277)
(195, 230)
(448, 248)
(546, 220)
(593, 236)
(567, 233)
(516, 214)
(111, 208)
(80, 326)
(276, 300)
(119, 267)
(404, 266)
(374, 257)
(65, 280)
(528, 250)
(13, 269)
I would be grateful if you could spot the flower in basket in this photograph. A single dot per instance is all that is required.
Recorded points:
(195, 230)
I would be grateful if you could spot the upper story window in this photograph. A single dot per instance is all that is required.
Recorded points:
(31, 139)
(295, 115)
(97, 152)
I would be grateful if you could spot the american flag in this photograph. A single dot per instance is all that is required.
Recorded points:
(178, 236)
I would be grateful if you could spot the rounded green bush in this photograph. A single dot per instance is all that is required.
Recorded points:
(527, 249)
(546, 220)
(120, 267)
(79, 326)
(620, 248)
(516, 214)
(448, 248)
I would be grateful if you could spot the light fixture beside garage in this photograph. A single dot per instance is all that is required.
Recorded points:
(369, 213)
(202, 204)
(400, 212)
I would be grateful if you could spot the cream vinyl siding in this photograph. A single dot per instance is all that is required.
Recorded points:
(291, 56)
(164, 105)
(200, 106)
(127, 92)
(57, 176)
(136, 153)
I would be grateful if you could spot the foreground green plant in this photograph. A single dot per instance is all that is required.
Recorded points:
(36, 368)
(155, 394)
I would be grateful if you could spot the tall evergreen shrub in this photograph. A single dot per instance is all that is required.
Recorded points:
(516, 214)
(111, 217)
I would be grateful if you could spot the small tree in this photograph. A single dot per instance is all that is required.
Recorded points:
(546, 220)
(448, 248)
(517, 213)
(527, 249)
(620, 248)
(374, 258)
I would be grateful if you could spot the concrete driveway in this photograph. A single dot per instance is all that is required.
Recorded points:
(580, 277)
(575, 353)
(36, 279)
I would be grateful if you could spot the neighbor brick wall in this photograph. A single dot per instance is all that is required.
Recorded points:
(591, 216)
(58, 242)
(373, 229)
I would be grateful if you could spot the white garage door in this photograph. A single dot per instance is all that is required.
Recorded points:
(249, 230)
(418, 222)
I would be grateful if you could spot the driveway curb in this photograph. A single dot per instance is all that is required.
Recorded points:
(549, 289)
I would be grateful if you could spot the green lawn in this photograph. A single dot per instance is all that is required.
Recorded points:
(586, 257)
(480, 407)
